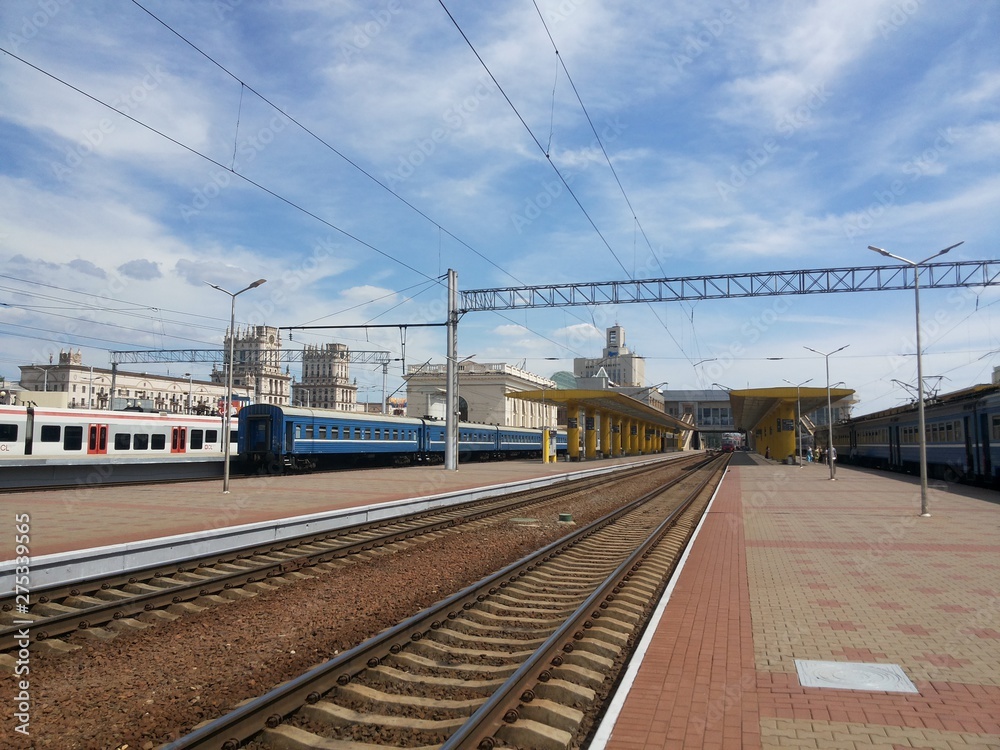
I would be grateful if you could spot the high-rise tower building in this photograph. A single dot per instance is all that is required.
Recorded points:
(326, 379)
(622, 367)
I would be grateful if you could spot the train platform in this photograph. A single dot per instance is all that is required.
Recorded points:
(86, 517)
(807, 608)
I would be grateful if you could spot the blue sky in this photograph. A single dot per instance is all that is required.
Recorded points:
(351, 153)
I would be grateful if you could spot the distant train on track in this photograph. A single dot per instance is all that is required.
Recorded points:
(962, 433)
(274, 439)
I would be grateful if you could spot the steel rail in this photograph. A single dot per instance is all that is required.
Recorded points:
(502, 707)
(214, 583)
(230, 731)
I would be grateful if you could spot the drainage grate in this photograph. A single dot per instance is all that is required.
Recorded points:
(888, 678)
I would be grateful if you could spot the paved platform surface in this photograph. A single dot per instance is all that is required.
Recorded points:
(791, 566)
(95, 516)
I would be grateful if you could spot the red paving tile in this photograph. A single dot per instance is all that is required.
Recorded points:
(702, 679)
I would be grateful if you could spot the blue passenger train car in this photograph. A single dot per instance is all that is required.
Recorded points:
(962, 432)
(273, 439)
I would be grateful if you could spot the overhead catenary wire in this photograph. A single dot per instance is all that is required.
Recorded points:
(245, 86)
(190, 149)
(597, 136)
(559, 174)
(318, 138)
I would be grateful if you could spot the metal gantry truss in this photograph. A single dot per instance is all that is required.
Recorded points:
(147, 356)
(734, 285)
(248, 358)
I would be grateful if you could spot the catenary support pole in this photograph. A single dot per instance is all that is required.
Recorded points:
(451, 369)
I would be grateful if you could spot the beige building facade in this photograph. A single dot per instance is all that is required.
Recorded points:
(326, 379)
(622, 367)
(482, 389)
(72, 384)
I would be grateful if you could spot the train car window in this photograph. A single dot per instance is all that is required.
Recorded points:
(73, 438)
(211, 436)
(197, 439)
(158, 441)
(378, 433)
(141, 442)
(8, 432)
(996, 428)
(123, 441)
(309, 432)
(234, 437)
(298, 432)
(368, 433)
(51, 433)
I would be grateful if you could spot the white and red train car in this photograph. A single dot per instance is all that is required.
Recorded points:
(64, 441)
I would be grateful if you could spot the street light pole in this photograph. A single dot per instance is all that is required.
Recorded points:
(829, 410)
(798, 414)
(924, 512)
(226, 427)
(189, 377)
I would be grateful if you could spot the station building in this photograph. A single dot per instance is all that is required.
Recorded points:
(257, 378)
(69, 383)
(483, 388)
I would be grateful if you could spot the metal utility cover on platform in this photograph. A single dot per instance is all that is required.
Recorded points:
(840, 675)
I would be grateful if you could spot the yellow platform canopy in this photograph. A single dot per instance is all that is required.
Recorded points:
(609, 402)
(754, 406)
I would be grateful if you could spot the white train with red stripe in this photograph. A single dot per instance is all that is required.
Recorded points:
(72, 433)
(43, 445)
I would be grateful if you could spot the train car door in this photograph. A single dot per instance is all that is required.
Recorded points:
(895, 459)
(29, 431)
(97, 439)
(178, 439)
(258, 437)
(970, 453)
(984, 446)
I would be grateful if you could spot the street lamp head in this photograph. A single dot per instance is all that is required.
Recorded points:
(254, 285)
(880, 251)
(951, 247)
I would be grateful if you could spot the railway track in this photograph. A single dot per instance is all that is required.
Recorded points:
(522, 659)
(101, 606)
